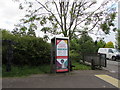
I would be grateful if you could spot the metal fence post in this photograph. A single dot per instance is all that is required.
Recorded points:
(92, 64)
(100, 61)
(83, 58)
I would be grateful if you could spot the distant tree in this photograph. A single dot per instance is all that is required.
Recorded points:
(109, 45)
(5, 32)
(24, 31)
(86, 44)
(101, 44)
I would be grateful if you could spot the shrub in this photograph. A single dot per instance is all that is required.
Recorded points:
(75, 56)
(28, 50)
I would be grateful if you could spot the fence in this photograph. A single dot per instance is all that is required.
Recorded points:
(95, 60)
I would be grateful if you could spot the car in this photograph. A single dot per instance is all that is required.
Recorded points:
(111, 53)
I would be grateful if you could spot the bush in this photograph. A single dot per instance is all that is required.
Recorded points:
(82, 45)
(28, 50)
(75, 56)
(25, 70)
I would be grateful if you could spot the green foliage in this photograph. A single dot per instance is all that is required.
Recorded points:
(112, 16)
(108, 23)
(74, 53)
(75, 56)
(74, 44)
(109, 45)
(79, 66)
(101, 44)
(32, 18)
(78, 47)
(25, 70)
(45, 29)
(105, 27)
(30, 70)
(86, 44)
(22, 30)
(70, 16)
(28, 50)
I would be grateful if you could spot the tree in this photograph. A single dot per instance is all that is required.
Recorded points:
(109, 45)
(74, 44)
(30, 31)
(101, 44)
(81, 46)
(86, 44)
(66, 17)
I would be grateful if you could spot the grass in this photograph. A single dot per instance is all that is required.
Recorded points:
(0, 72)
(25, 71)
(28, 70)
(79, 66)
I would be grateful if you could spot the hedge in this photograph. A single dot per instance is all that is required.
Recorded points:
(27, 50)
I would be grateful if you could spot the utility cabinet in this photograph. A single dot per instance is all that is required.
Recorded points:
(60, 54)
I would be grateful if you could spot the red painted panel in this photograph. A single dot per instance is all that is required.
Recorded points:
(58, 42)
(61, 57)
(62, 70)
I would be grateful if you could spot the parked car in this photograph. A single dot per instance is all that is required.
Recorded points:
(111, 53)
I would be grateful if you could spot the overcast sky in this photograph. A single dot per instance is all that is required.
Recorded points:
(10, 15)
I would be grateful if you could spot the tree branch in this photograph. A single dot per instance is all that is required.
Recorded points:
(77, 18)
(88, 16)
(49, 12)
(61, 17)
(64, 16)
(71, 16)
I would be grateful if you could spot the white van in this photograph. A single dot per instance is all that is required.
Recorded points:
(111, 53)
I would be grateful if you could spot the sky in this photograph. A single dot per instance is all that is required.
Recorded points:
(10, 15)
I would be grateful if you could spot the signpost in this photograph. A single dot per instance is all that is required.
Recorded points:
(60, 54)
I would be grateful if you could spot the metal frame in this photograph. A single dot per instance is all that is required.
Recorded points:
(55, 39)
(99, 64)
(105, 65)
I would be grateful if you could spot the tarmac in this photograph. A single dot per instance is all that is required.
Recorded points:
(74, 79)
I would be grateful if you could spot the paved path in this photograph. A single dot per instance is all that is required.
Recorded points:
(75, 79)
(113, 67)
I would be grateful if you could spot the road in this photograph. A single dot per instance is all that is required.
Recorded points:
(113, 67)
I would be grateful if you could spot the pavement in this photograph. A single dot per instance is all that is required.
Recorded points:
(74, 79)
(106, 78)
(113, 67)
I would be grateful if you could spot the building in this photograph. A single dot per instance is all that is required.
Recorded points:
(119, 15)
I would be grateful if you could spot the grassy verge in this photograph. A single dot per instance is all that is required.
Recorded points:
(25, 70)
(79, 66)
(0, 72)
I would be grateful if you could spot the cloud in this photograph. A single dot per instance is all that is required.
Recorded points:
(9, 14)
